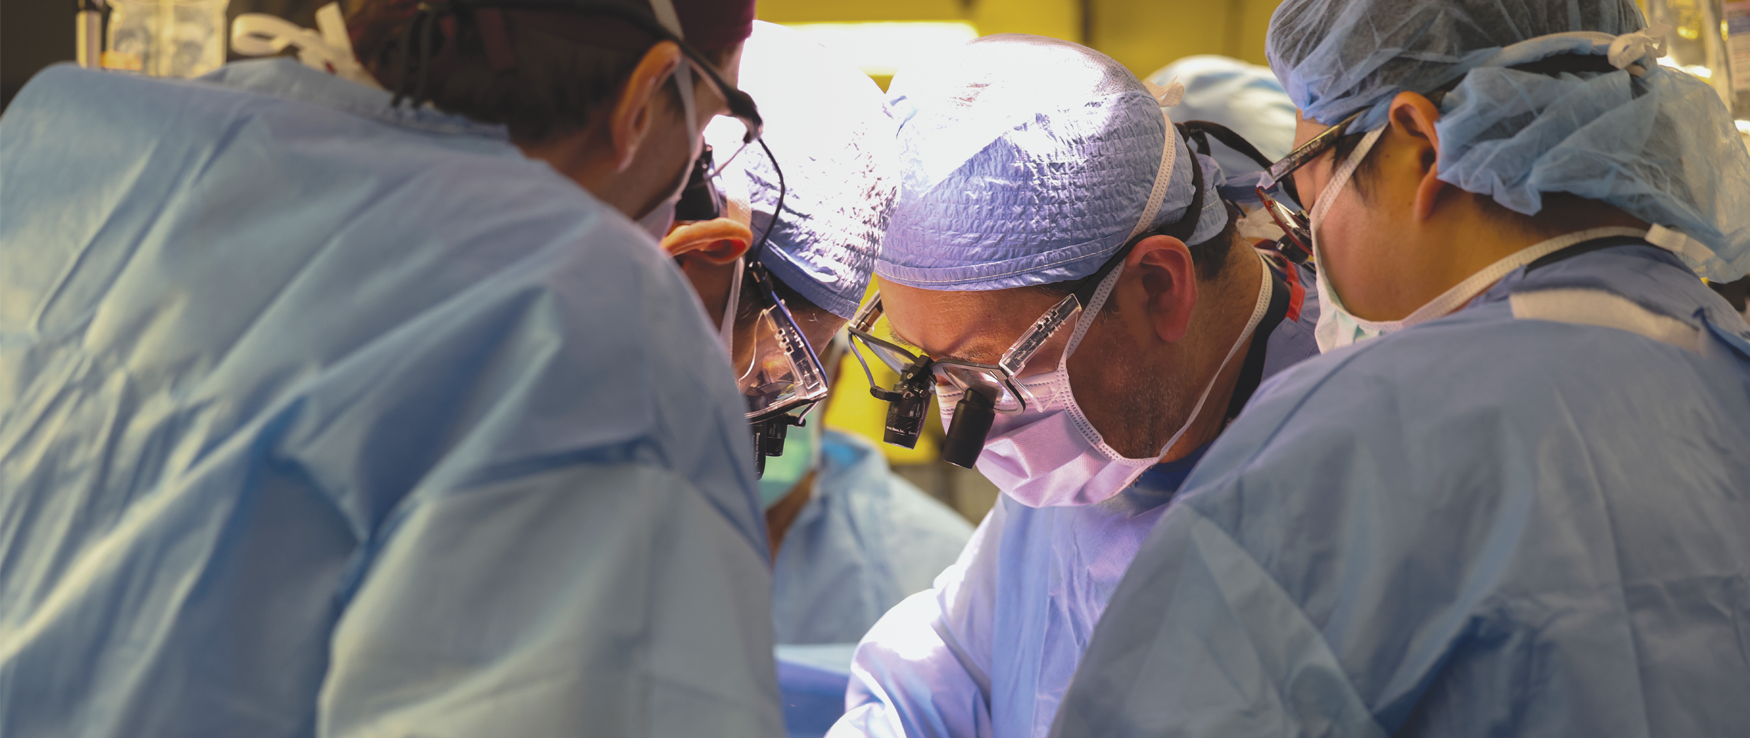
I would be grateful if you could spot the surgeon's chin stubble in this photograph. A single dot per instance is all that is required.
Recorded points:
(1141, 407)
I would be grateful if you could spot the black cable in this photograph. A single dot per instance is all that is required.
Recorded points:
(425, 43)
(776, 209)
(401, 65)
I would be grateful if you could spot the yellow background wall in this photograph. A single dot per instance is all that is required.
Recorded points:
(1142, 34)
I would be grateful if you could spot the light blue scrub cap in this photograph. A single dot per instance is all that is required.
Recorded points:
(1654, 142)
(1027, 160)
(828, 126)
(1244, 97)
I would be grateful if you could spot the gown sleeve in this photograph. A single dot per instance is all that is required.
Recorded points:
(923, 670)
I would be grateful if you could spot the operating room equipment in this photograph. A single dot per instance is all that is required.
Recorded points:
(327, 48)
(164, 38)
(1710, 39)
(88, 32)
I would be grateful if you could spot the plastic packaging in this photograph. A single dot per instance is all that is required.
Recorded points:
(166, 38)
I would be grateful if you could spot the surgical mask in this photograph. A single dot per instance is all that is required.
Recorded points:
(1337, 327)
(660, 219)
(1049, 454)
(783, 472)
(726, 331)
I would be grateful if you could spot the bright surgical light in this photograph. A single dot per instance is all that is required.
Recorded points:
(1695, 69)
(1743, 126)
(880, 49)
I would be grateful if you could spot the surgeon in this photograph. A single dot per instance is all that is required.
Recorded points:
(1511, 497)
(849, 537)
(1065, 277)
(361, 400)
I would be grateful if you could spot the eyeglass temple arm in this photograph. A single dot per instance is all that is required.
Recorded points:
(1204, 130)
(864, 319)
(1312, 148)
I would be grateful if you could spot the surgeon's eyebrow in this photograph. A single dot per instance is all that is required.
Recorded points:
(894, 333)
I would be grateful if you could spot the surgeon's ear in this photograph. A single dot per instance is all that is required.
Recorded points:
(634, 111)
(1412, 119)
(718, 241)
(1168, 282)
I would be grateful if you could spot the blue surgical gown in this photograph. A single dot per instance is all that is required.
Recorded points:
(322, 417)
(990, 650)
(866, 540)
(1529, 518)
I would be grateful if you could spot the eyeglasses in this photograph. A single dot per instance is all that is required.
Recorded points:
(783, 373)
(1296, 243)
(987, 388)
(995, 380)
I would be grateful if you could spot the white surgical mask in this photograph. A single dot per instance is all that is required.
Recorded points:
(1049, 454)
(1337, 327)
(660, 219)
(726, 331)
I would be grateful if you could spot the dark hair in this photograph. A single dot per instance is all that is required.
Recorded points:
(1364, 171)
(1562, 212)
(1210, 257)
(554, 88)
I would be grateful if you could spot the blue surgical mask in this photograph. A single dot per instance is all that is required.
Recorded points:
(801, 455)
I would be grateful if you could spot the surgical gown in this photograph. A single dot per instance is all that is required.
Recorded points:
(990, 650)
(324, 417)
(866, 540)
(1528, 518)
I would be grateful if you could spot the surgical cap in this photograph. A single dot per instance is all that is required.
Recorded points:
(1244, 97)
(1652, 141)
(1027, 160)
(828, 127)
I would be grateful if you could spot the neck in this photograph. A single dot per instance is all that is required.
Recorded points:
(578, 157)
(1235, 297)
(1477, 234)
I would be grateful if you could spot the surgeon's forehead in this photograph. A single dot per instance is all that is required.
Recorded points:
(975, 326)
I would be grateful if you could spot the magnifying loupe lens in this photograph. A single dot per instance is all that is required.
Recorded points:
(973, 416)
